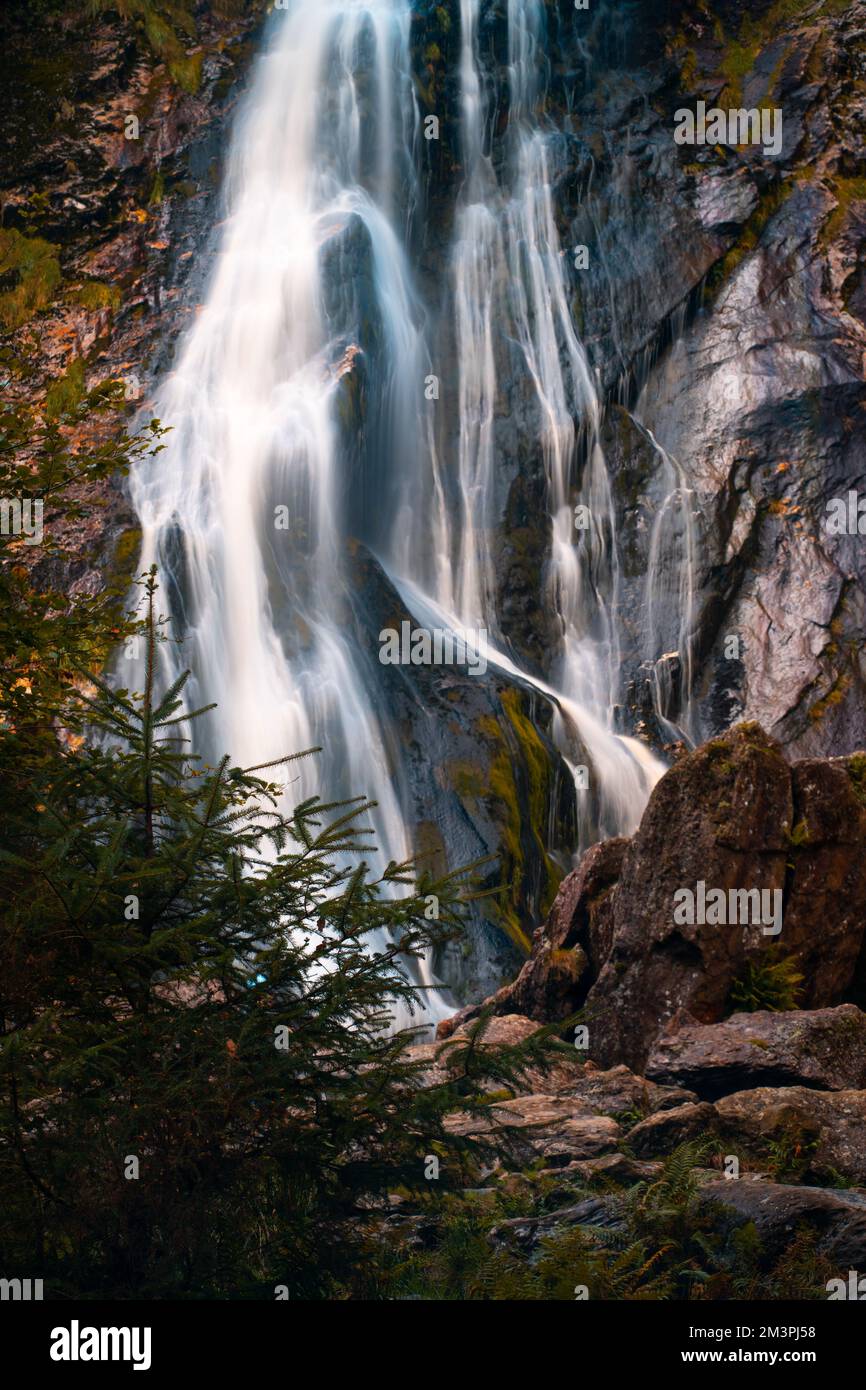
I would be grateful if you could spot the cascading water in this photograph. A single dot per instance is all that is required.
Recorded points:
(246, 511)
(670, 596)
(245, 508)
(509, 279)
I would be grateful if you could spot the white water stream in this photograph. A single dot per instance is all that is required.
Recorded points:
(245, 510)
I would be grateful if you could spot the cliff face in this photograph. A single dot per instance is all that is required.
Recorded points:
(722, 307)
(723, 304)
(110, 164)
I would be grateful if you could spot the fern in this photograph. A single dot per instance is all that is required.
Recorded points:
(769, 982)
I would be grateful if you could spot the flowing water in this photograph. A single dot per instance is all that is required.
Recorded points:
(248, 508)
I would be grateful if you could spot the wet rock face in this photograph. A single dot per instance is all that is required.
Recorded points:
(469, 753)
(722, 308)
(755, 385)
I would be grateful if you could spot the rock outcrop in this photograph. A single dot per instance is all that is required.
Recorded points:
(634, 938)
(818, 1134)
(779, 1211)
(823, 1048)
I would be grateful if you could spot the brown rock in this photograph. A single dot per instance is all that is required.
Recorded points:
(734, 816)
(617, 1091)
(567, 948)
(556, 1128)
(667, 1129)
(828, 1126)
(824, 1048)
(825, 914)
(562, 1071)
(779, 1211)
(617, 1167)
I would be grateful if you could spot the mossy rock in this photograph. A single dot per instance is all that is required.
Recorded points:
(30, 276)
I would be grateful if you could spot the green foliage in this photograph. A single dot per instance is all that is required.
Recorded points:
(165, 923)
(167, 27)
(791, 1150)
(801, 1271)
(658, 1239)
(29, 277)
(769, 981)
(46, 633)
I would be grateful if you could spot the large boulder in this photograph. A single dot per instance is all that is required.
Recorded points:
(628, 936)
(720, 817)
(779, 1211)
(825, 913)
(816, 1134)
(824, 1048)
(664, 1131)
(732, 816)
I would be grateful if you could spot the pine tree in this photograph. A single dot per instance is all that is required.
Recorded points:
(199, 1093)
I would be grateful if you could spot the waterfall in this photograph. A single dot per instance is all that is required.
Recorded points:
(244, 510)
(670, 599)
(509, 279)
(248, 508)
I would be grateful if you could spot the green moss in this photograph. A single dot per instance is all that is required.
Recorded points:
(95, 294)
(186, 71)
(741, 51)
(857, 773)
(846, 192)
(65, 393)
(466, 778)
(157, 189)
(835, 696)
(30, 276)
(160, 24)
(799, 836)
(518, 780)
(748, 239)
(127, 549)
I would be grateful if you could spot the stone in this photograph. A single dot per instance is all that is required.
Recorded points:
(824, 1048)
(664, 1131)
(555, 1128)
(720, 815)
(779, 1211)
(825, 1131)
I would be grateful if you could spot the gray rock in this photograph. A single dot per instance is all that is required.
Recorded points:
(779, 1211)
(824, 1048)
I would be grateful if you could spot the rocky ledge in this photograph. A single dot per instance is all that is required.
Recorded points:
(742, 1035)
